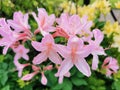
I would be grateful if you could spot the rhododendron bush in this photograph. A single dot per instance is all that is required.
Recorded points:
(66, 52)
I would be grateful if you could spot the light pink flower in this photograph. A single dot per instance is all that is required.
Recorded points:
(21, 51)
(96, 49)
(45, 22)
(73, 25)
(48, 50)
(43, 79)
(111, 66)
(8, 36)
(19, 22)
(85, 32)
(28, 77)
(21, 26)
(74, 54)
(69, 25)
(20, 67)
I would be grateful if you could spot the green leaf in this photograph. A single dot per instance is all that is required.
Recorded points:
(58, 86)
(28, 87)
(3, 66)
(52, 80)
(116, 85)
(6, 88)
(3, 78)
(80, 75)
(68, 85)
(1, 58)
(78, 81)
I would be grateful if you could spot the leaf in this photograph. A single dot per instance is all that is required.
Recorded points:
(58, 86)
(80, 75)
(1, 58)
(68, 85)
(52, 80)
(6, 88)
(3, 66)
(116, 85)
(3, 78)
(78, 81)
(28, 87)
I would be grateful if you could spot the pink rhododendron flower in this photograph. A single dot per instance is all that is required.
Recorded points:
(45, 22)
(19, 22)
(28, 77)
(85, 32)
(20, 67)
(96, 48)
(8, 36)
(111, 66)
(74, 54)
(21, 51)
(70, 25)
(48, 50)
(20, 25)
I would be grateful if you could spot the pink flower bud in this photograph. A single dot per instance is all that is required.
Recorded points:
(28, 77)
(43, 79)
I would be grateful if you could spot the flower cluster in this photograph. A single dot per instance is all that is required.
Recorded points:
(80, 42)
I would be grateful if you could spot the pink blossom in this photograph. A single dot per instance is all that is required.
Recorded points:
(69, 25)
(74, 54)
(21, 51)
(28, 77)
(8, 36)
(85, 32)
(48, 50)
(20, 25)
(96, 48)
(19, 22)
(45, 22)
(20, 67)
(73, 25)
(111, 66)
(43, 79)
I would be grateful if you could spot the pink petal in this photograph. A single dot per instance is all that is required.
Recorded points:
(95, 62)
(43, 79)
(67, 74)
(60, 79)
(48, 39)
(62, 50)
(98, 35)
(35, 17)
(5, 50)
(25, 56)
(38, 46)
(40, 58)
(54, 57)
(14, 25)
(66, 65)
(83, 67)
